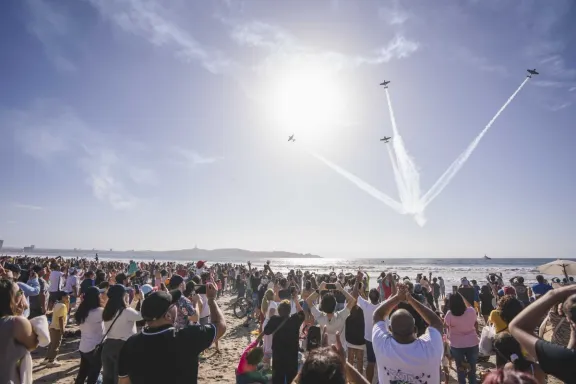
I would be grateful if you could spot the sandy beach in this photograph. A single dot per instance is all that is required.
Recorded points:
(215, 368)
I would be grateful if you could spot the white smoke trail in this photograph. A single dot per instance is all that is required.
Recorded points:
(372, 191)
(409, 176)
(445, 179)
(402, 193)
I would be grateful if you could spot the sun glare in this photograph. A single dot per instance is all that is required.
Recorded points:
(307, 101)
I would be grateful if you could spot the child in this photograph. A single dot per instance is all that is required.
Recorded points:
(446, 360)
(247, 371)
(59, 320)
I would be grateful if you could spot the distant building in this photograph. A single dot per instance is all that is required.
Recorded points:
(29, 249)
(1, 244)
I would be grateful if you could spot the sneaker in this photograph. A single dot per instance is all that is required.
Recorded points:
(54, 364)
(44, 362)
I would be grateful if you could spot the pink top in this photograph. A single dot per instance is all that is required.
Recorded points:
(462, 329)
(243, 365)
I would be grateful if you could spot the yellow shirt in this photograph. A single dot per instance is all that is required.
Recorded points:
(495, 319)
(59, 311)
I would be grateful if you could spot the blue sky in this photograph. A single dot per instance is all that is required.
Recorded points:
(161, 125)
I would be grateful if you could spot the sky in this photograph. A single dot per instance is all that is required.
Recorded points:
(146, 124)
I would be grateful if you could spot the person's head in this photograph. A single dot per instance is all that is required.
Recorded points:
(308, 285)
(283, 283)
(485, 290)
(40, 270)
(540, 279)
(509, 291)
(474, 282)
(509, 307)
(403, 326)
(284, 308)
(159, 308)
(254, 356)
(90, 301)
(323, 366)
(509, 376)
(269, 295)
(520, 280)
(374, 296)
(64, 297)
(328, 303)
(492, 278)
(89, 275)
(9, 295)
(456, 305)
(434, 280)
(121, 279)
(508, 348)
(440, 278)
(16, 270)
(176, 282)
(189, 289)
(117, 300)
(569, 309)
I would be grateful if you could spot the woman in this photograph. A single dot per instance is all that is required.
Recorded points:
(486, 306)
(307, 291)
(268, 308)
(508, 308)
(506, 376)
(559, 324)
(461, 324)
(89, 318)
(354, 332)
(17, 337)
(119, 324)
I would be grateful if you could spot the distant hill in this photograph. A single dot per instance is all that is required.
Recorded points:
(181, 254)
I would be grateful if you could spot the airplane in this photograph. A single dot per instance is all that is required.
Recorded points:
(385, 139)
(532, 72)
(385, 83)
(291, 138)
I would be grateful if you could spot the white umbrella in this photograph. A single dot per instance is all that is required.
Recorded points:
(559, 267)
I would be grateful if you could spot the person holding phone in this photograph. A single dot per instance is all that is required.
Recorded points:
(326, 314)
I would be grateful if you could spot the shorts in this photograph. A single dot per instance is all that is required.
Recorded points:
(445, 362)
(72, 299)
(304, 306)
(370, 356)
(354, 346)
(204, 320)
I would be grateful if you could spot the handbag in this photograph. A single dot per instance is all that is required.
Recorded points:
(98, 349)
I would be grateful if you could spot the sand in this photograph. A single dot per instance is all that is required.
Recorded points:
(215, 368)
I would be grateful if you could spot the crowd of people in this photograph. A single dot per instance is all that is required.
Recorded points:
(150, 322)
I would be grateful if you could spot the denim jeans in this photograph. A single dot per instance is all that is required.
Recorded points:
(465, 355)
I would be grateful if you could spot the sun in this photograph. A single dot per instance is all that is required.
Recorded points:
(307, 100)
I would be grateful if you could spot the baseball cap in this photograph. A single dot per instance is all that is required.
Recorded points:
(509, 291)
(93, 291)
(200, 263)
(116, 290)
(157, 304)
(146, 289)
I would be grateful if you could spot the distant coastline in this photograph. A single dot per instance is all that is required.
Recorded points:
(180, 254)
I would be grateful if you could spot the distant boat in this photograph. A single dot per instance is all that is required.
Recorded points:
(487, 258)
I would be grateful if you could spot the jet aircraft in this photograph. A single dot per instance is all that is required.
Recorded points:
(291, 138)
(385, 139)
(385, 83)
(532, 72)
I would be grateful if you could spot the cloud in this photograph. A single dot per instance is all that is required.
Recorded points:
(393, 15)
(479, 62)
(50, 26)
(27, 206)
(572, 89)
(559, 106)
(189, 157)
(147, 20)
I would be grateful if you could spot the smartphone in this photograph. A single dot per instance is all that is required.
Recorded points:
(454, 289)
(200, 289)
(284, 294)
(136, 288)
(330, 286)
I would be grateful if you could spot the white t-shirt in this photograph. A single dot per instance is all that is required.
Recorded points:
(92, 330)
(56, 281)
(336, 324)
(205, 308)
(71, 281)
(271, 305)
(125, 326)
(413, 363)
(368, 308)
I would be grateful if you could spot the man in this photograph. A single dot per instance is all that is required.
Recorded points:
(285, 329)
(554, 359)
(436, 291)
(56, 284)
(401, 356)
(200, 267)
(186, 312)
(368, 307)
(160, 354)
(541, 287)
(87, 282)
(254, 284)
(39, 303)
(72, 286)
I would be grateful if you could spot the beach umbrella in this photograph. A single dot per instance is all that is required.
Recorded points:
(559, 267)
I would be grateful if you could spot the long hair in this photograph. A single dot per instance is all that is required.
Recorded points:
(323, 366)
(457, 305)
(114, 304)
(6, 287)
(89, 303)
(266, 301)
(509, 376)
(510, 307)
